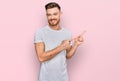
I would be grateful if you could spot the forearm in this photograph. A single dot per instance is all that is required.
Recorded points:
(51, 53)
(72, 51)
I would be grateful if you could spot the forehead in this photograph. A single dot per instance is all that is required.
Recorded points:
(52, 10)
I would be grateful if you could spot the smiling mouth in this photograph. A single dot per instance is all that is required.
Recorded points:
(53, 20)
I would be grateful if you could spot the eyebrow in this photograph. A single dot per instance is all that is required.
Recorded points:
(53, 13)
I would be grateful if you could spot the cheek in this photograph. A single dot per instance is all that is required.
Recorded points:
(48, 18)
(57, 17)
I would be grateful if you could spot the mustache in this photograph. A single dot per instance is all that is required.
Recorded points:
(52, 19)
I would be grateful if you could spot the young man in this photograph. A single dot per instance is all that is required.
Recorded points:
(53, 46)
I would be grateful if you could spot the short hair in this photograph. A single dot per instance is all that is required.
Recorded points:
(52, 5)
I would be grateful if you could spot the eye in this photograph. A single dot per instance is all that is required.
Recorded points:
(55, 13)
(48, 14)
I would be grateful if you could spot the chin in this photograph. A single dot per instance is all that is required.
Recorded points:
(53, 24)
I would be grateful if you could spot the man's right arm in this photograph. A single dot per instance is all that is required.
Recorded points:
(47, 55)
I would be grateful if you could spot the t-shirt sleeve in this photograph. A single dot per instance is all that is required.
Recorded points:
(38, 36)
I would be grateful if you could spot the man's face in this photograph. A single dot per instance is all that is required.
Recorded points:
(53, 16)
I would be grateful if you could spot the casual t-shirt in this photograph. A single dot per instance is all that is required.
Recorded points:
(56, 68)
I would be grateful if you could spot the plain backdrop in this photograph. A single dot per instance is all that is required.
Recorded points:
(97, 59)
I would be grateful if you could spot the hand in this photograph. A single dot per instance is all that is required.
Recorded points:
(78, 40)
(65, 44)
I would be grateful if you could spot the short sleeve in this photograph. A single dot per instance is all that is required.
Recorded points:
(38, 36)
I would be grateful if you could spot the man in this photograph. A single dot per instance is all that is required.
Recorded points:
(53, 46)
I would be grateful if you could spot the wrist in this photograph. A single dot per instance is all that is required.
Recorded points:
(76, 45)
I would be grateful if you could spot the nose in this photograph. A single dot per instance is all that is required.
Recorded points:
(52, 17)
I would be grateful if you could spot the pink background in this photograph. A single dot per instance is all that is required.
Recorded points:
(97, 59)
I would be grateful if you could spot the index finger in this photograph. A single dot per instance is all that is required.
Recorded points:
(82, 33)
(79, 35)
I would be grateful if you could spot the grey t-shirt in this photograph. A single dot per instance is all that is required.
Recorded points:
(56, 68)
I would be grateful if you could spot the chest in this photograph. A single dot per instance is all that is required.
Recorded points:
(52, 40)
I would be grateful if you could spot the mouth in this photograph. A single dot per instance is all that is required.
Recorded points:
(53, 20)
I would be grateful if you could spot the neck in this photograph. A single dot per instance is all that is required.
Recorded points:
(57, 27)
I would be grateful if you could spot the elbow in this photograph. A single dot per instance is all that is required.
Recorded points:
(41, 59)
(68, 57)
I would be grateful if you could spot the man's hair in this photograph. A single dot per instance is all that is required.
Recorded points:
(52, 5)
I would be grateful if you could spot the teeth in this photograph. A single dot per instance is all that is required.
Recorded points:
(53, 20)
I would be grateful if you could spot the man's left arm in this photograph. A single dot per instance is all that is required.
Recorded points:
(71, 51)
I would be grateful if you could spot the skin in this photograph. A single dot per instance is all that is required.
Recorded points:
(53, 16)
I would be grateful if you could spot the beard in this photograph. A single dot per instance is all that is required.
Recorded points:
(53, 22)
